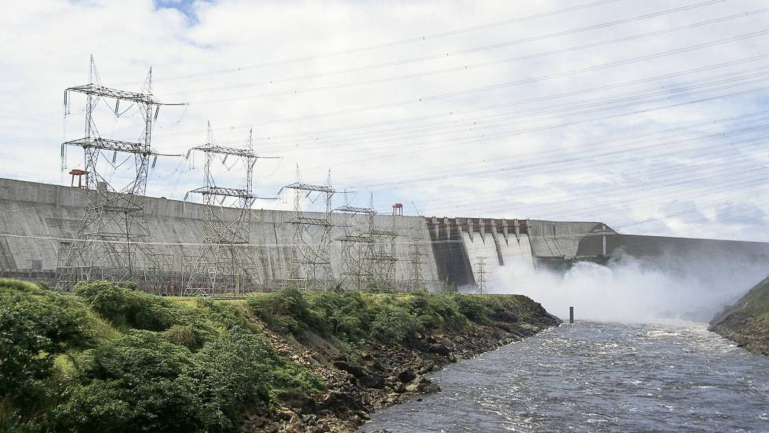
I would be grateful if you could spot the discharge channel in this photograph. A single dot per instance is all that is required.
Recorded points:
(597, 377)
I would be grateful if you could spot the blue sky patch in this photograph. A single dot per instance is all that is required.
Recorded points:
(183, 6)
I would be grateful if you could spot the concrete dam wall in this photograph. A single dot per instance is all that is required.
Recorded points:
(39, 221)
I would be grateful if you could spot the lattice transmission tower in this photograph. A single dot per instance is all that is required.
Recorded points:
(357, 245)
(383, 258)
(311, 263)
(226, 264)
(111, 239)
(480, 284)
(417, 281)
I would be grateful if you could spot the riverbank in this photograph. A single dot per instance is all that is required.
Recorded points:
(112, 359)
(747, 321)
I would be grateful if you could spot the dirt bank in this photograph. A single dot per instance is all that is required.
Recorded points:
(747, 321)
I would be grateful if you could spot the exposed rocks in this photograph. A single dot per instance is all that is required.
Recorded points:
(440, 349)
(747, 321)
(379, 375)
(355, 370)
(407, 375)
(372, 381)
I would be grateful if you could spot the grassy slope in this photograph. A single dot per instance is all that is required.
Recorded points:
(109, 358)
(747, 321)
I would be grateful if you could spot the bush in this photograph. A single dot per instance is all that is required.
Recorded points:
(124, 307)
(285, 310)
(224, 315)
(289, 378)
(343, 314)
(135, 383)
(393, 325)
(138, 362)
(435, 311)
(21, 286)
(240, 368)
(473, 307)
(35, 326)
(230, 372)
(182, 336)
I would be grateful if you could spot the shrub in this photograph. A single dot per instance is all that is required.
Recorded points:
(473, 307)
(393, 325)
(134, 383)
(182, 336)
(285, 310)
(22, 286)
(289, 378)
(124, 307)
(240, 368)
(223, 314)
(229, 373)
(34, 327)
(343, 314)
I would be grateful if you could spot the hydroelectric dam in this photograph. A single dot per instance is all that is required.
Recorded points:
(39, 222)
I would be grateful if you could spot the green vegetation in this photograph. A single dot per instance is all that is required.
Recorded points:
(108, 358)
(747, 321)
(387, 318)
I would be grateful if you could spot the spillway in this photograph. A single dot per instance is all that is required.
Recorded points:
(481, 246)
(516, 249)
(496, 251)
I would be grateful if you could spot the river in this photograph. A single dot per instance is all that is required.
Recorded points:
(597, 377)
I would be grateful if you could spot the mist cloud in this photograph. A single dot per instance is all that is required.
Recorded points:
(633, 290)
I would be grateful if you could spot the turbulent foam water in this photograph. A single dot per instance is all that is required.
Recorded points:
(632, 290)
(594, 376)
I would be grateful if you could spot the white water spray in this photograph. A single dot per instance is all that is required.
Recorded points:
(633, 290)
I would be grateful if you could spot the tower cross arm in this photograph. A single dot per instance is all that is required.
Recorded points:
(307, 187)
(227, 192)
(234, 151)
(97, 90)
(353, 209)
(113, 145)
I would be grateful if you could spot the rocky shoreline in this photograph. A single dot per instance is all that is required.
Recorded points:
(747, 321)
(360, 381)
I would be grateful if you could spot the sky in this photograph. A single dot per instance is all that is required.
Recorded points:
(649, 116)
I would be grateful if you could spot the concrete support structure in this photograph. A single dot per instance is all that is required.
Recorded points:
(37, 220)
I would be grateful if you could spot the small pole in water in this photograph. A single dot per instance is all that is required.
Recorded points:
(571, 314)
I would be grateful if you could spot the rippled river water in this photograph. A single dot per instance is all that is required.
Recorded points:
(597, 377)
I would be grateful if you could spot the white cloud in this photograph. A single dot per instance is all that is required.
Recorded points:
(535, 155)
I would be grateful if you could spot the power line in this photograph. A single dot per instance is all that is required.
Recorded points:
(549, 127)
(455, 68)
(587, 150)
(423, 99)
(500, 85)
(652, 197)
(475, 125)
(578, 203)
(410, 40)
(475, 121)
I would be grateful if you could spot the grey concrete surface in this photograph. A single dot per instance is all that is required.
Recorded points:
(37, 219)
